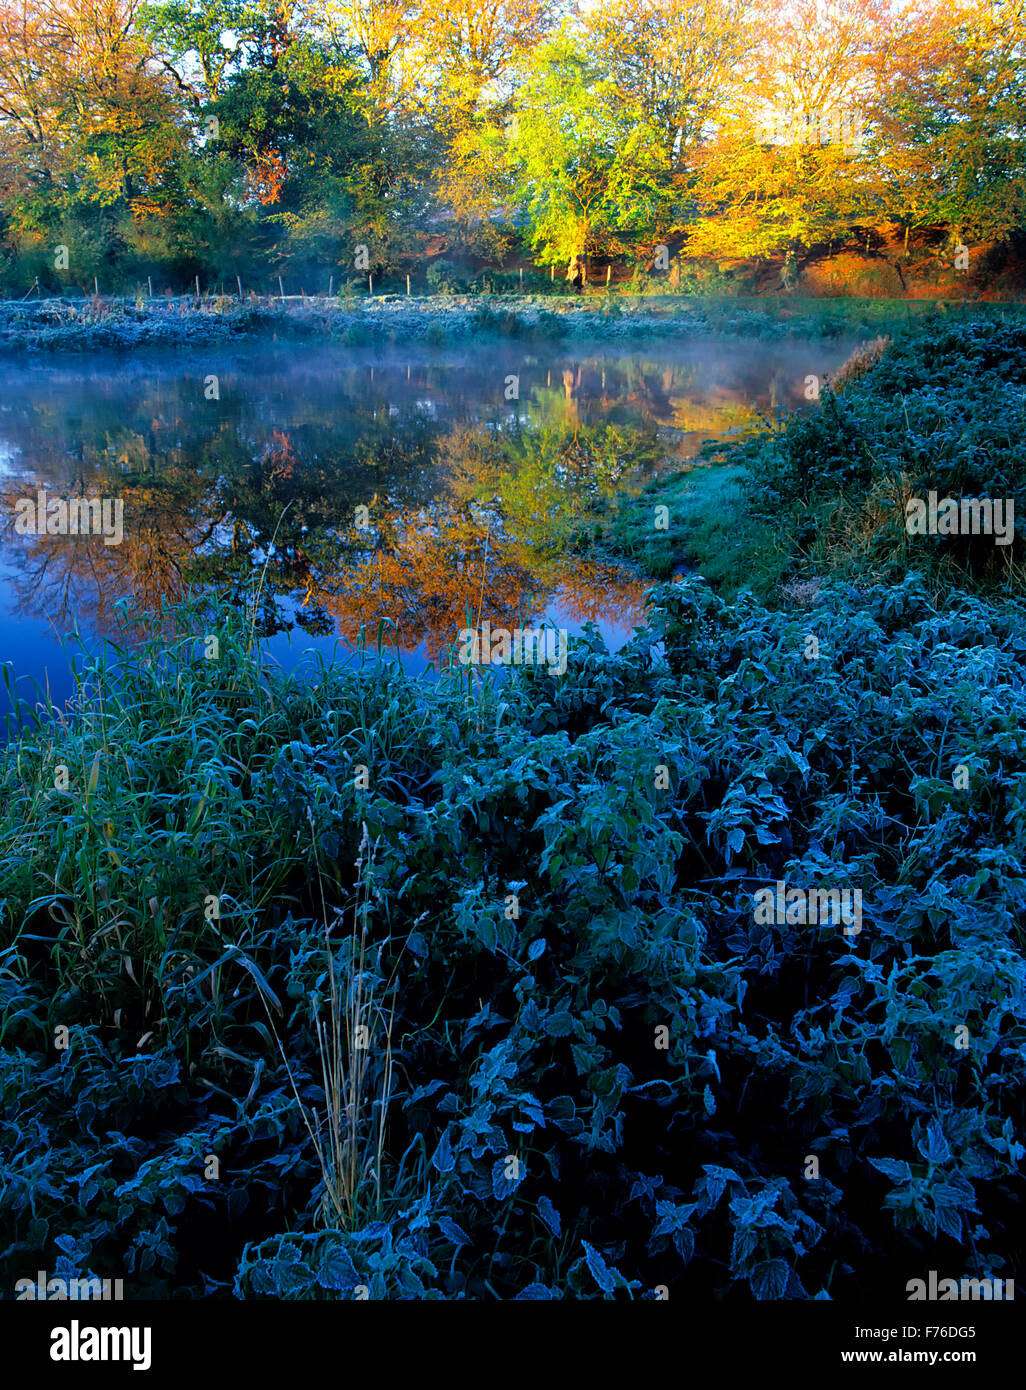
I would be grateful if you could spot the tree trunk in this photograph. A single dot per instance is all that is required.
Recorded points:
(577, 271)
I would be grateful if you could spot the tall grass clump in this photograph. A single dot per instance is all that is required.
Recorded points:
(349, 1135)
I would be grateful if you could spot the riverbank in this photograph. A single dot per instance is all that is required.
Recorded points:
(122, 324)
(823, 493)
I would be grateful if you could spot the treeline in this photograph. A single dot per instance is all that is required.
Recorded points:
(254, 138)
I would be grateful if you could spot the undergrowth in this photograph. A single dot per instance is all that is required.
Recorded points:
(587, 1070)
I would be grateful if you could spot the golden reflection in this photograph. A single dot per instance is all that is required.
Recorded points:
(464, 522)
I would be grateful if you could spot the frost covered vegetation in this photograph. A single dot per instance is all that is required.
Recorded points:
(943, 411)
(95, 323)
(590, 1071)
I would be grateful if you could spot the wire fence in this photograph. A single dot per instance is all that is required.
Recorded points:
(144, 297)
(127, 301)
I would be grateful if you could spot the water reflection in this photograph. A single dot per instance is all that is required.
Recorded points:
(413, 489)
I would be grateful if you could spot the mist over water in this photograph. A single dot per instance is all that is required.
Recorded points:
(474, 465)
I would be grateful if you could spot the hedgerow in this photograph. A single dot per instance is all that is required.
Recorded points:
(123, 325)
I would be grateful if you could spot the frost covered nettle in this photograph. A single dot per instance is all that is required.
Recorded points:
(70, 516)
(968, 516)
(522, 647)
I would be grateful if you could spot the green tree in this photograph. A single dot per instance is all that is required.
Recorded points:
(677, 62)
(588, 175)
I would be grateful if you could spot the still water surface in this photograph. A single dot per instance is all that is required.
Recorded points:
(474, 466)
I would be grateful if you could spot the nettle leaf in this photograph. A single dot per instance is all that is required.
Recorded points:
(422, 1092)
(955, 1192)
(949, 1220)
(443, 1157)
(770, 1278)
(560, 1024)
(536, 948)
(684, 1240)
(534, 1291)
(532, 1108)
(418, 945)
(892, 1168)
(549, 1214)
(585, 1058)
(603, 1274)
(933, 1145)
(337, 1271)
(294, 1278)
(504, 1186)
(716, 1180)
(451, 1231)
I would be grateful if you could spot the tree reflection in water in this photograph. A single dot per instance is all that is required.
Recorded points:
(474, 504)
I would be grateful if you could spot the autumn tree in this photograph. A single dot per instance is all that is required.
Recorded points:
(676, 62)
(786, 166)
(587, 175)
(88, 132)
(126, 118)
(76, 84)
(474, 45)
(951, 118)
(387, 37)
